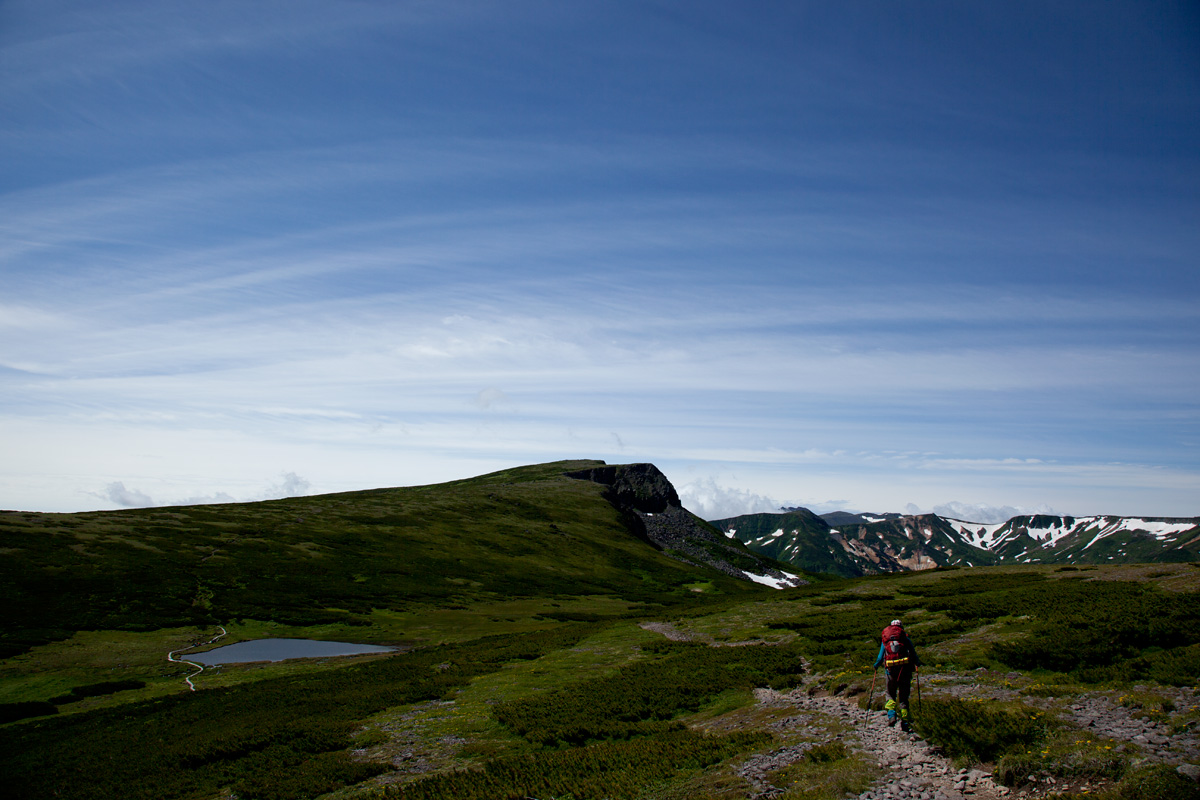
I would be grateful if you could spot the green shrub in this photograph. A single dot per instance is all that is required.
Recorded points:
(615, 770)
(1160, 782)
(1094, 630)
(977, 731)
(828, 771)
(827, 752)
(78, 693)
(644, 697)
(1063, 758)
(11, 712)
(270, 740)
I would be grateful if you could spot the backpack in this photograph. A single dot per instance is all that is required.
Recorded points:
(896, 648)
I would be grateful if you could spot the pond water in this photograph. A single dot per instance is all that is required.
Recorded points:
(281, 650)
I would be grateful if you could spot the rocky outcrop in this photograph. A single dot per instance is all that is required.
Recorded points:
(650, 508)
(639, 487)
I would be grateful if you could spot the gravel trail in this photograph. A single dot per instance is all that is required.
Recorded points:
(913, 770)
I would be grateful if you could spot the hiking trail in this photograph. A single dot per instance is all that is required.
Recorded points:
(199, 667)
(914, 770)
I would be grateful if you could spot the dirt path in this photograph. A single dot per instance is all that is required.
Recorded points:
(199, 667)
(666, 630)
(912, 770)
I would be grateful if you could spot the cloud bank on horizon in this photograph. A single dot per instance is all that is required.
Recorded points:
(851, 255)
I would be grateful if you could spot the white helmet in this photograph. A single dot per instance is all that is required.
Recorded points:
(897, 622)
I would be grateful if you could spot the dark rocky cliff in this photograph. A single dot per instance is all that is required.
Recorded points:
(650, 507)
(641, 487)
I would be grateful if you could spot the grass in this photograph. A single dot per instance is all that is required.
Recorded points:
(468, 719)
(333, 559)
(827, 772)
(1066, 754)
(619, 770)
(614, 733)
(1147, 704)
(977, 732)
(285, 737)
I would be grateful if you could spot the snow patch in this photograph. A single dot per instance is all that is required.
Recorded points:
(788, 580)
(1159, 530)
(976, 533)
(1050, 535)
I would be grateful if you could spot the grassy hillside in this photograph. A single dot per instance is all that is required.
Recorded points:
(612, 709)
(330, 559)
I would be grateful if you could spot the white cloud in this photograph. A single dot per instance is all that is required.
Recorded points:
(204, 500)
(708, 500)
(490, 397)
(979, 512)
(822, 506)
(116, 492)
(291, 485)
(327, 307)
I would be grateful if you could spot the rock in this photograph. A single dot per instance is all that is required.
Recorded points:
(1189, 771)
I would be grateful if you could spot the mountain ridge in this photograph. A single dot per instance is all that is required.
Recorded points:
(570, 528)
(883, 543)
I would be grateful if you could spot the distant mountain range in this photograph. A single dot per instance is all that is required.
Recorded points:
(863, 544)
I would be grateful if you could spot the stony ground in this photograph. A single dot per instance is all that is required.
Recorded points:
(913, 770)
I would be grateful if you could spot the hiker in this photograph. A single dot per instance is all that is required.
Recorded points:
(899, 660)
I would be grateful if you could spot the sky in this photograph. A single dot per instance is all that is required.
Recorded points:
(870, 256)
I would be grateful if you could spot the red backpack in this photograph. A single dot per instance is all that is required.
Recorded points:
(895, 646)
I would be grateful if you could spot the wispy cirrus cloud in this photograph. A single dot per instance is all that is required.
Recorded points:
(424, 239)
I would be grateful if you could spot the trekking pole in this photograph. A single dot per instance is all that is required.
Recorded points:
(871, 695)
(918, 689)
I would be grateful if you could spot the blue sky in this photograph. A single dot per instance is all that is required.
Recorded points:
(871, 256)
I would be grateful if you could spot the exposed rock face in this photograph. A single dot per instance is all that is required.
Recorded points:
(902, 543)
(640, 487)
(651, 509)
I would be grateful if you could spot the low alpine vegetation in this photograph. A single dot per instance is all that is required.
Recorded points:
(970, 731)
(613, 736)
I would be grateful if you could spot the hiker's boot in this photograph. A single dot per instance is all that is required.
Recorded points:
(904, 717)
(892, 718)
